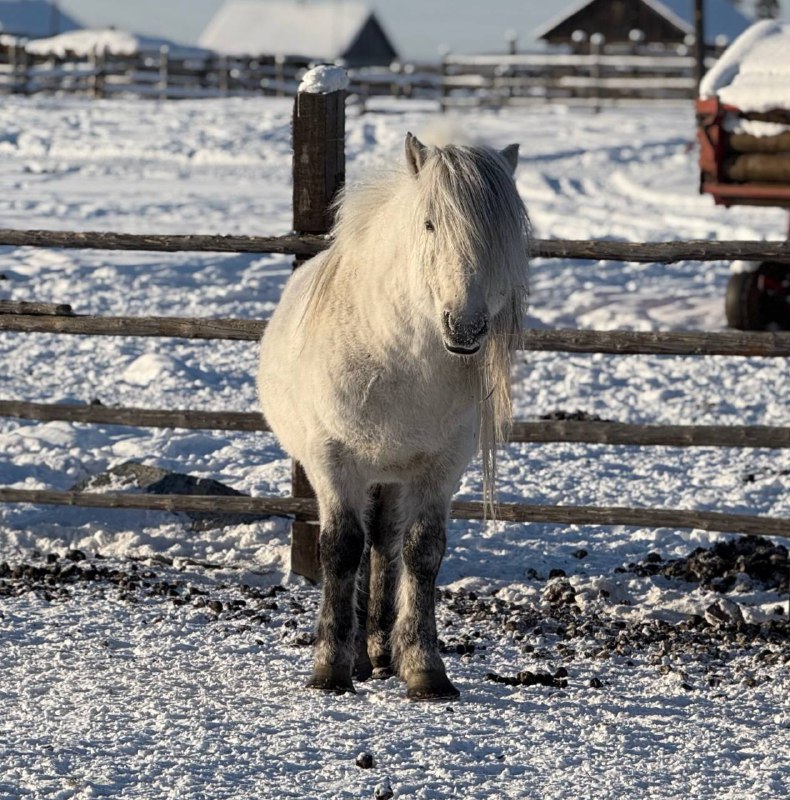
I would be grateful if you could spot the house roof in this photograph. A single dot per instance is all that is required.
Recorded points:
(321, 31)
(721, 17)
(34, 18)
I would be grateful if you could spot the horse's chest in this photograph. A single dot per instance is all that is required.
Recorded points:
(405, 412)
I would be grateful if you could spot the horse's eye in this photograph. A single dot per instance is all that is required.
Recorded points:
(429, 225)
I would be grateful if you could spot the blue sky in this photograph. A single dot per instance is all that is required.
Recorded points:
(418, 27)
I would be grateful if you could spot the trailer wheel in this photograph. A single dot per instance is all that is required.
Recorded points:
(742, 302)
(759, 300)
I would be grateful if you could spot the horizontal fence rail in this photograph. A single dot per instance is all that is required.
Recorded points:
(505, 512)
(305, 245)
(540, 431)
(667, 343)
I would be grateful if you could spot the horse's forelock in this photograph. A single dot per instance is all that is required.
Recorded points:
(471, 192)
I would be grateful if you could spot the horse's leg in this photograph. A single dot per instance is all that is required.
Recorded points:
(384, 569)
(363, 669)
(341, 542)
(414, 636)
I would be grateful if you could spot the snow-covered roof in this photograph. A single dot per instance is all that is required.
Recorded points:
(34, 18)
(249, 27)
(753, 73)
(721, 17)
(108, 40)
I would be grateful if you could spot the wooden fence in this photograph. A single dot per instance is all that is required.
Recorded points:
(498, 79)
(318, 127)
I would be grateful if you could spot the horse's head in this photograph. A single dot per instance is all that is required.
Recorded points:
(472, 240)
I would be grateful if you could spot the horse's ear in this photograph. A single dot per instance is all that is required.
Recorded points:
(510, 154)
(416, 153)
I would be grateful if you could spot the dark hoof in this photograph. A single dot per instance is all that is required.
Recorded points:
(327, 679)
(363, 670)
(432, 685)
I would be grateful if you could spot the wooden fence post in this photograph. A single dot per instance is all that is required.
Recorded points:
(319, 170)
(98, 62)
(164, 71)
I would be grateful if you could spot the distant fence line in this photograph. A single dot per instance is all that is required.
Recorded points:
(494, 79)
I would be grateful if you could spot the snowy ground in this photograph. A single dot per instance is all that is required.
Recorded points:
(102, 696)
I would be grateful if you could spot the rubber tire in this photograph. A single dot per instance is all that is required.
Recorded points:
(742, 303)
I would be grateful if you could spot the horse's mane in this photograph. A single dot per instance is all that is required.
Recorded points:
(471, 193)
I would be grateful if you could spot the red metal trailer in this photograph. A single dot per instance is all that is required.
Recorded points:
(737, 168)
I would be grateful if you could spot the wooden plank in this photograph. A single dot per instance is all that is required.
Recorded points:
(136, 417)
(543, 431)
(289, 244)
(618, 433)
(171, 327)
(308, 245)
(665, 343)
(719, 343)
(506, 512)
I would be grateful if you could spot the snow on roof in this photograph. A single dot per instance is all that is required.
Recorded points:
(322, 31)
(34, 18)
(721, 17)
(753, 73)
(82, 43)
(108, 40)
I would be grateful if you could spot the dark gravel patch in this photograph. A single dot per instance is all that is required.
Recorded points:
(708, 650)
(747, 562)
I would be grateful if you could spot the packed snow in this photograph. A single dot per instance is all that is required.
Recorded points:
(324, 79)
(753, 74)
(109, 693)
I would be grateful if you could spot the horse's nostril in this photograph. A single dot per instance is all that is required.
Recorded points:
(465, 327)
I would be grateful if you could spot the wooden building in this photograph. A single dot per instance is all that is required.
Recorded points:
(650, 23)
(322, 32)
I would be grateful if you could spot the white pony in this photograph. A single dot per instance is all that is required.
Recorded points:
(384, 370)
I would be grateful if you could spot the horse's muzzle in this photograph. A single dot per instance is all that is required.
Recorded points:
(463, 336)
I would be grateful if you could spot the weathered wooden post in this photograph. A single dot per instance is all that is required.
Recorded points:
(444, 83)
(319, 170)
(597, 42)
(164, 71)
(98, 57)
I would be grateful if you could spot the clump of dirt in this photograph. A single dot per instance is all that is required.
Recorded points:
(573, 416)
(745, 560)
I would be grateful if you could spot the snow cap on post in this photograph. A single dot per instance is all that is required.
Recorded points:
(324, 79)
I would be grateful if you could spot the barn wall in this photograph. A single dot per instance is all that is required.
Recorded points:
(371, 47)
